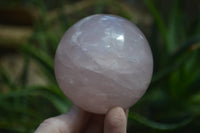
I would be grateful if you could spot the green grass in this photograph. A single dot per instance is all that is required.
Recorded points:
(172, 102)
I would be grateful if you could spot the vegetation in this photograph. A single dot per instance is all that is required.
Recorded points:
(172, 102)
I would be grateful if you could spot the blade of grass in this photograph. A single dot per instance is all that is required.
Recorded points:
(58, 100)
(39, 56)
(6, 79)
(157, 125)
(174, 63)
(190, 43)
(8, 107)
(172, 30)
(24, 75)
(46, 61)
(166, 71)
(158, 19)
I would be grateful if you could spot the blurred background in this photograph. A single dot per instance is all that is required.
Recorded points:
(30, 31)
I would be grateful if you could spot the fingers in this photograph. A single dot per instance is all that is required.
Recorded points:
(115, 121)
(72, 122)
(95, 124)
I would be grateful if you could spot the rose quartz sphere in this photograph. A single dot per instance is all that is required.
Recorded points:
(103, 61)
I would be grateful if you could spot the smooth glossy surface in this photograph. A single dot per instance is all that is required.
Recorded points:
(103, 61)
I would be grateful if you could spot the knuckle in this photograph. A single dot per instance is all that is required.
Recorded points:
(48, 122)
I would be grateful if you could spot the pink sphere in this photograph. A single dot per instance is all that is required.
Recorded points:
(103, 61)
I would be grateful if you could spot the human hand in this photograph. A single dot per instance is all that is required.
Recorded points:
(79, 121)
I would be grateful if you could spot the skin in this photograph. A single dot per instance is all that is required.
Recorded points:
(77, 120)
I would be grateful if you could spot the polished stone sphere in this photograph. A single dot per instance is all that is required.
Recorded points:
(103, 61)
